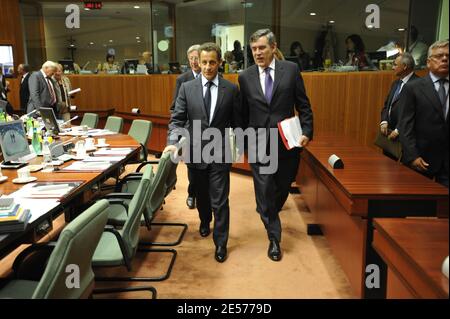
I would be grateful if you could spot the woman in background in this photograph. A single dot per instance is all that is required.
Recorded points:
(356, 55)
(63, 87)
(109, 65)
(303, 59)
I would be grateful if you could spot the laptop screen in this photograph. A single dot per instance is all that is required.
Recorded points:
(49, 118)
(13, 141)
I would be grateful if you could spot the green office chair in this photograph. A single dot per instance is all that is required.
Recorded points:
(163, 183)
(114, 124)
(118, 247)
(90, 120)
(141, 131)
(75, 246)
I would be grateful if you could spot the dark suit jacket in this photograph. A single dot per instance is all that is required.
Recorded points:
(185, 77)
(423, 128)
(189, 106)
(393, 118)
(40, 95)
(24, 92)
(288, 94)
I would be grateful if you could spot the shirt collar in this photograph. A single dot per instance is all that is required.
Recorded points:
(43, 73)
(271, 65)
(435, 78)
(406, 78)
(195, 74)
(215, 81)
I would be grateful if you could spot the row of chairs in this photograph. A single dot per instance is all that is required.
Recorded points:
(140, 130)
(104, 235)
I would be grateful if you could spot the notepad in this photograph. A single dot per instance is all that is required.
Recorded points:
(291, 132)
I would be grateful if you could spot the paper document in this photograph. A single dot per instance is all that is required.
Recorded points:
(74, 91)
(87, 166)
(291, 132)
(104, 159)
(113, 152)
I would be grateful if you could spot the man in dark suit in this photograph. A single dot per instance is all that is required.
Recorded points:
(204, 105)
(404, 70)
(193, 73)
(271, 90)
(42, 88)
(24, 71)
(424, 118)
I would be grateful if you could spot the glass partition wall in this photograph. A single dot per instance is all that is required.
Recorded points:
(313, 34)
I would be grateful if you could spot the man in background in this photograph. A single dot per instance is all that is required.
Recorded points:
(424, 118)
(24, 72)
(194, 72)
(404, 71)
(42, 88)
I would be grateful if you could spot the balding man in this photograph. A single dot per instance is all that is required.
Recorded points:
(42, 88)
(404, 70)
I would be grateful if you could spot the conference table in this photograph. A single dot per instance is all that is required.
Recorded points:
(413, 250)
(73, 202)
(345, 201)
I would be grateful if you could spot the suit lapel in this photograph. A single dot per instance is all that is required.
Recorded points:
(199, 93)
(432, 95)
(279, 73)
(220, 94)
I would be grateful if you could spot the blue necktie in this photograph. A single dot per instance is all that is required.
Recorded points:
(268, 85)
(397, 91)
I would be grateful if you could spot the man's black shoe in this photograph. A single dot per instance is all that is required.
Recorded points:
(190, 202)
(274, 251)
(221, 254)
(204, 230)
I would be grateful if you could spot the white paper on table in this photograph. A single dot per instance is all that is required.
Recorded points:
(37, 207)
(103, 159)
(87, 166)
(113, 152)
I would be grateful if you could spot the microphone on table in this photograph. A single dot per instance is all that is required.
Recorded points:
(28, 114)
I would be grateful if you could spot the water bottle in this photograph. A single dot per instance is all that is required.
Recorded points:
(30, 128)
(48, 167)
(35, 141)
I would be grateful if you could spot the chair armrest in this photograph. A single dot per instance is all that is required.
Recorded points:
(115, 232)
(119, 196)
(144, 164)
(152, 290)
(30, 264)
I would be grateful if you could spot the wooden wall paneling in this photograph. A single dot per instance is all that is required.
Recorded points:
(11, 29)
(14, 93)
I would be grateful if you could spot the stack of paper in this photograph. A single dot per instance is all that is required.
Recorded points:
(14, 219)
(87, 166)
(291, 132)
(113, 151)
(109, 159)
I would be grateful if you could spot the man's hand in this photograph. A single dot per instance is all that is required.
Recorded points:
(420, 165)
(170, 148)
(304, 140)
(393, 136)
(384, 129)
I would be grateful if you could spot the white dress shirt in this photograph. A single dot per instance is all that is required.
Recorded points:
(214, 93)
(23, 77)
(435, 80)
(195, 74)
(262, 75)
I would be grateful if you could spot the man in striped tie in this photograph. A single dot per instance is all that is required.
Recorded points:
(424, 118)
(42, 88)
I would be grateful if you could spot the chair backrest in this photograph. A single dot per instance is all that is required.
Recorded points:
(73, 256)
(114, 124)
(141, 130)
(158, 189)
(90, 120)
(130, 230)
